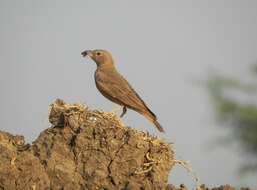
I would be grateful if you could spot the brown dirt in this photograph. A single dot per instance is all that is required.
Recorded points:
(87, 150)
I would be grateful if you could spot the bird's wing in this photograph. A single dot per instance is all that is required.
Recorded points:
(115, 87)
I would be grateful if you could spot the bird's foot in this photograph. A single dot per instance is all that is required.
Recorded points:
(124, 111)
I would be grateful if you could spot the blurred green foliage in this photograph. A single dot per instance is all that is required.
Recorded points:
(241, 116)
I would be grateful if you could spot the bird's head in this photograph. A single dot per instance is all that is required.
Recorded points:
(101, 57)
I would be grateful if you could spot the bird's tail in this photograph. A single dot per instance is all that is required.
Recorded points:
(152, 118)
(158, 126)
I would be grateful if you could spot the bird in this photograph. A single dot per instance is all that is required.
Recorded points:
(116, 88)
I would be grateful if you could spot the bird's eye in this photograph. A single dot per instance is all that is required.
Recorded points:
(98, 53)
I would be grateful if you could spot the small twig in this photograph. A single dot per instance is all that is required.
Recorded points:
(144, 171)
(187, 166)
(13, 161)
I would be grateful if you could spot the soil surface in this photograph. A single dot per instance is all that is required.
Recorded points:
(87, 150)
(84, 150)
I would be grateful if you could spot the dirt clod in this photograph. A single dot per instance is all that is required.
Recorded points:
(84, 149)
(87, 150)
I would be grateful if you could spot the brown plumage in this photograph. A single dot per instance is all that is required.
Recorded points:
(116, 88)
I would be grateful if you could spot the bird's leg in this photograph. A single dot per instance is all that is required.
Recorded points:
(124, 111)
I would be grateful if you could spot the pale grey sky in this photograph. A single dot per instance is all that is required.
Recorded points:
(159, 46)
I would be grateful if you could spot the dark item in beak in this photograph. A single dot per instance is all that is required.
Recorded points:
(87, 52)
(84, 53)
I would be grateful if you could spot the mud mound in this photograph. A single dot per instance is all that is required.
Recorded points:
(85, 149)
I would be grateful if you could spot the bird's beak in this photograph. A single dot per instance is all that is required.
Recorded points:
(87, 52)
